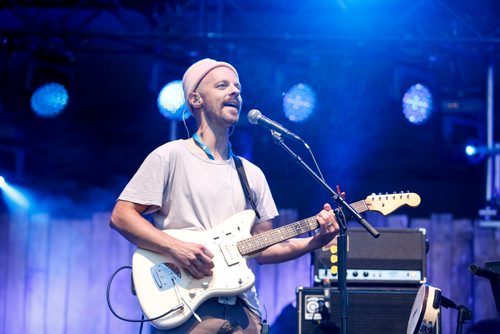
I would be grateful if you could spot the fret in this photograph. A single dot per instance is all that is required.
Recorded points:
(359, 206)
(269, 238)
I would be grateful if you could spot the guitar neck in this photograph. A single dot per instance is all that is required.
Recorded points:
(266, 239)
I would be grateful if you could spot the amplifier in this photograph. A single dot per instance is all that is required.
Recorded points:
(398, 256)
(370, 310)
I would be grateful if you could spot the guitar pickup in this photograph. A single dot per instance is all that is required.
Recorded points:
(230, 254)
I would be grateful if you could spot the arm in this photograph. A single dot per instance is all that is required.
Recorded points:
(127, 219)
(296, 247)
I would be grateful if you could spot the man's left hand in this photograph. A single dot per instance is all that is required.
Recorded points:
(328, 226)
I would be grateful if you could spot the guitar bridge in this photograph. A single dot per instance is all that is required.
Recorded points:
(165, 275)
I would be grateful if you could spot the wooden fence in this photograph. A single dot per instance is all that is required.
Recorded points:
(55, 272)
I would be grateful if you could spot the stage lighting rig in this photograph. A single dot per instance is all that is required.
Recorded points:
(171, 102)
(417, 104)
(49, 81)
(299, 103)
(490, 215)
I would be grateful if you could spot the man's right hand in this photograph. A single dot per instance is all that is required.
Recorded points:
(193, 257)
(127, 219)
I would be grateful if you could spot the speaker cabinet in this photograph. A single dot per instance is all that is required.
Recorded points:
(371, 310)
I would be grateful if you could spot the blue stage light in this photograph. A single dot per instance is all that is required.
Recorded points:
(171, 102)
(470, 150)
(482, 151)
(474, 150)
(417, 104)
(13, 196)
(299, 103)
(49, 99)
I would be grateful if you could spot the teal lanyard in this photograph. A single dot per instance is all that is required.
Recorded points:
(205, 149)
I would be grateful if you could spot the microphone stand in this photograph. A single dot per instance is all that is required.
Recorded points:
(342, 237)
(464, 313)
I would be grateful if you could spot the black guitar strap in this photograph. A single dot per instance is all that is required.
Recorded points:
(244, 183)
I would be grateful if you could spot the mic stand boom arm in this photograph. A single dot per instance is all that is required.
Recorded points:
(342, 237)
(349, 210)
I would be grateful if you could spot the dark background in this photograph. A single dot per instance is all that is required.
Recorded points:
(359, 57)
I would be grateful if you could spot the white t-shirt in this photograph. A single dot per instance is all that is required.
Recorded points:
(187, 191)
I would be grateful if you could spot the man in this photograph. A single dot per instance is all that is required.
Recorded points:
(194, 184)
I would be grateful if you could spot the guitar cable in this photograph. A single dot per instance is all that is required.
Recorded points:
(143, 319)
(185, 303)
(265, 325)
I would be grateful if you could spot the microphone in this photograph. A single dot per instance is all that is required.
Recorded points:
(255, 117)
(483, 272)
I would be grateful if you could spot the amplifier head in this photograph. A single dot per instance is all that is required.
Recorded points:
(398, 256)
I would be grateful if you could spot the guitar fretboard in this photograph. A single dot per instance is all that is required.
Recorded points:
(359, 206)
(263, 240)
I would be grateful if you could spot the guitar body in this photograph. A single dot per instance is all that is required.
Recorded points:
(161, 284)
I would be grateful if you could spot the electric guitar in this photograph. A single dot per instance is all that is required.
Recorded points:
(165, 288)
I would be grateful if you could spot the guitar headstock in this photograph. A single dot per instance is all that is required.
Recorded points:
(387, 203)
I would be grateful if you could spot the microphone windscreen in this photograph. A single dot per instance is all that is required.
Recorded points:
(473, 268)
(253, 116)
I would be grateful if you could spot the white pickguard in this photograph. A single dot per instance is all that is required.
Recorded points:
(231, 274)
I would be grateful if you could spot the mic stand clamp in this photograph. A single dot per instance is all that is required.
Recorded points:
(342, 237)
(464, 314)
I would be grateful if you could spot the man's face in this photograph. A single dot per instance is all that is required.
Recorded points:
(220, 91)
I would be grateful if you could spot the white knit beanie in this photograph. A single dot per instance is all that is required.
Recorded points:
(196, 72)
